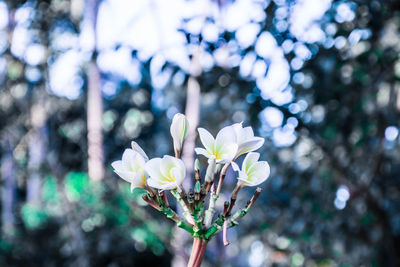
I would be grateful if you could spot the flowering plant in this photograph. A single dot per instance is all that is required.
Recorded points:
(159, 175)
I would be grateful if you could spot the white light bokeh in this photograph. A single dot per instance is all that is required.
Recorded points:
(391, 133)
(246, 34)
(64, 75)
(272, 116)
(342, 196)
(20, 40)
(241, 12)
(303, 18)
(119, 62)
(339, 204)
(344, 13)
(3, 15)
(343, 193)
(153, 29)
(35, 54)
(257, 254)
(284, 137)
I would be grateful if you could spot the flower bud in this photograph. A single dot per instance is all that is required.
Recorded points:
(211, 170)
(179, 127)
(196, 165)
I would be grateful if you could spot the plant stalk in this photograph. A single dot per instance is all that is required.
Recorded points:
(198, 250)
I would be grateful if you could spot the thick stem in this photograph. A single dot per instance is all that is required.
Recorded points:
(222, 177)
(198, 251)
(186, 212)
(233, 198)
(233, 220)
(214, 197)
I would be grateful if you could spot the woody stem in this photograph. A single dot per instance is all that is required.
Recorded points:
(198, 250)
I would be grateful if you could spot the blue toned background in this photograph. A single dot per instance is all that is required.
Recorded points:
(318, 79)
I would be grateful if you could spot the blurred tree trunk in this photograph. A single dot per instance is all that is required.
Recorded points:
(192, 112)
(9, 187)
(94, 103)
(7, 171)
(37, 151)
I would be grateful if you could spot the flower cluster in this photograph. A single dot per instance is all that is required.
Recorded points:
(158, 175)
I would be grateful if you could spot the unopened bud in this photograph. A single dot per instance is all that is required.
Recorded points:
(211, 170)
(197, 165)
(178, 129)
(197, 187)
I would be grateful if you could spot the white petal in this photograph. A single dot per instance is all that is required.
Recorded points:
(182, 167)
(249, 160)
(167, 163)
(132, 160)
(152, 167)
(250, 145)
(248, 133)
(154, 183)
(225, 136)
(238, 131)
(206, 139)
(139, 161)
(235, 167)
(238, 127)
(258, 173)
(227, 152)
(137, 148)
(243, 176)
(178, 175)
(139, 180)
(118, 166)
(160, 185)
(202, 151)
(122, 172)
(127, 176)
(128, 157)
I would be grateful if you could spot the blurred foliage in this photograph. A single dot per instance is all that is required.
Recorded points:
(333, 198)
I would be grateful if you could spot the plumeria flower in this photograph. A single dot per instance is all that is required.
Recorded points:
(253, 172)
(246, 140)
(178, 131)
(131, 167)
(223, 147)
(165, 173)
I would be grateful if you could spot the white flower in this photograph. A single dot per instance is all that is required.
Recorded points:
(253, 172)
(246, 140)
(165, 173)
(131, 168)
(179, 127)
(223, 147)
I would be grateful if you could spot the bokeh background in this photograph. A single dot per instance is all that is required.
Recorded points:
(318, 79)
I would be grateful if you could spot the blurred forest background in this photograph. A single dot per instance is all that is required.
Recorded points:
(318, 79)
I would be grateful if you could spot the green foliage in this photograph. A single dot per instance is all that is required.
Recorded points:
(33, 216)
(76, 186)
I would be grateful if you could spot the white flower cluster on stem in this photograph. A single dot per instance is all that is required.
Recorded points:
(159, 175)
